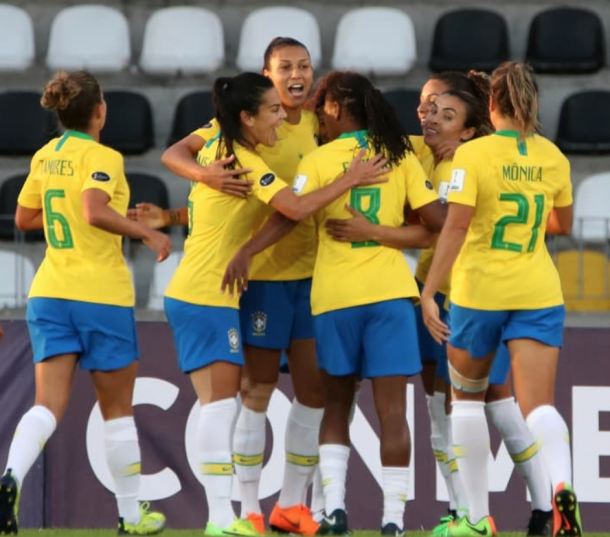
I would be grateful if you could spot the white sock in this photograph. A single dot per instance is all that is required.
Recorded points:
(456, 480)
(214, 441)
(439, 423)
(33, 430)
(248, 453)
(124, 461)
(553, 437)
(333, 467)
(523, 450)
(317, 495)
(471, 448)
(302, 450)
(395, 485)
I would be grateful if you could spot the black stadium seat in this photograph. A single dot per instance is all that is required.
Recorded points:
(405, 103)
(566, 40)
(469, 39)
(192, 111)
(24, 125)
(584, 123)
(147, 188)
(9, 192)
(129, 123)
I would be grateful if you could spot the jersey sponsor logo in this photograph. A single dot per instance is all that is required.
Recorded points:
(267, 179)
(207, 126)
(316, 139)
(259, 323)
(299, 183)
(457, 180)
(102, 177)
(233, 339)
(429, 185)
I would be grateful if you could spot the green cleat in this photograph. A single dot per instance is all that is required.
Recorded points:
(440, 530)
(462, 527)
(9, 504)
(151, 522)
(566, 512)
(239, 526)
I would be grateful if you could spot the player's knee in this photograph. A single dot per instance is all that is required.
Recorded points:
(467, 385)
(256, 395)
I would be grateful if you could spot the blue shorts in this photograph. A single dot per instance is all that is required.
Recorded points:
(103, 336)
(500, 366)
(204, 334)
(373, 340)
(481, 331)
(430, 350)
(274, 313)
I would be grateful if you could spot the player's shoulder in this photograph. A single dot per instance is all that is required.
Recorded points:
(548, 147)
(208, 130)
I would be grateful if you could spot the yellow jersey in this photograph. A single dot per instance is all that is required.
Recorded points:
(353, 274)
(504, 263)
(440, 179)
(293, 257)
(421, 150)
(219, 224)
(82, 262)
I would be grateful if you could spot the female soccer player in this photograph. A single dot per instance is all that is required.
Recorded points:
(248, 111)
(457, 105)
(505, 288)
(275, 313)
(361, 294)
(80, 307)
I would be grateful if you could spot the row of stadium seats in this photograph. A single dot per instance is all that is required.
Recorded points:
(585, 279)
(378, 40)
(584, 120)
(591, 206)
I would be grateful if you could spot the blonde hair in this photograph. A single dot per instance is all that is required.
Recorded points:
(515, 92)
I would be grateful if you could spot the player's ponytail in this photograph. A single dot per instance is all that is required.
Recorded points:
(231, 97)
(73, 96)
(515, 92)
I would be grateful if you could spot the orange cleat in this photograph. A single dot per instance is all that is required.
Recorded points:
(296, 520)
(258, 522)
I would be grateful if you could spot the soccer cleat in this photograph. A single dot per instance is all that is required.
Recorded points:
(258, 522)
(240, 526)
(566, 513)
(151, 522)
(9, 504)
(440, 529)
(540, 524)
(462, 527)
(296, 520)
(393, 530)
(335, 524)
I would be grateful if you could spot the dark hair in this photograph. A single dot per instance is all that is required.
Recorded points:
(368, 107)
(277, 44)
(476, 100)
(514, 90)
(231, 96)
(73, 96)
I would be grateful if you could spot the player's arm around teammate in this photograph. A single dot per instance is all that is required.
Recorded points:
(80, 307)
(505, 288)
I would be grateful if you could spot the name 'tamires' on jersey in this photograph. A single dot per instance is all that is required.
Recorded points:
(82, 262)
(293, 257)
(219, 224)
(512, 185)
(353, 274)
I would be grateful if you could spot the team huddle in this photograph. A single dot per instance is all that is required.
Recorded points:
(301, 203)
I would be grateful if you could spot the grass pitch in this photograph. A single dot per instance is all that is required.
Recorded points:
(199, 533)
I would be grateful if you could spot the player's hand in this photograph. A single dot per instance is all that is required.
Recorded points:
(356, 229)
(236, 275)
(149, 214)
(446, 150)
(430, 312)
(369, 172)
(158, 242)
(225, 180)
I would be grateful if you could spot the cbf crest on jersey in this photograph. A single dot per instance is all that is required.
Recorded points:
(233, 339)
(259, 323)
